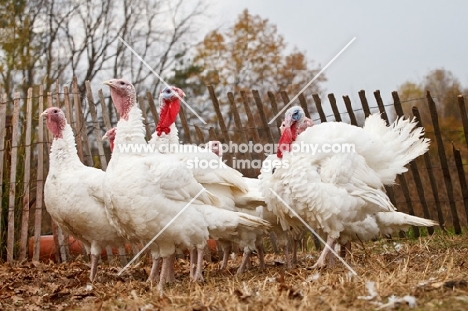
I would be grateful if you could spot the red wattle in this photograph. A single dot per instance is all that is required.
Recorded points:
(111, 145)
(167, 116)
(284, 142)
(287, 138)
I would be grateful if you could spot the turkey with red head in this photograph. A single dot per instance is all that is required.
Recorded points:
(149, 194)
(333, 175)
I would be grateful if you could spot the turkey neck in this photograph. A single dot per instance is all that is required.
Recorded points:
(130, 131)
(63, 151)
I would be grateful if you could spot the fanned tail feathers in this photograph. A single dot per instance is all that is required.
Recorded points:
(394, 221)
(404, 142)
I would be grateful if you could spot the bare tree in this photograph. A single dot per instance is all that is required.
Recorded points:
(69, 38)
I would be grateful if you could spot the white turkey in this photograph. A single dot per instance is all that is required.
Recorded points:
(145, 191)
(223, 181)
(334, 191)
(73, 192)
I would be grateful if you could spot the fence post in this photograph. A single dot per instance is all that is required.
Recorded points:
(216, 106)
(432, 180)
(12, 194)
(261, 112)
(462, 178)
(444, 163)
(26, 179)
(40, 180)
(274, 109)
(349, 108)
(145, 117)
(3, 113)
(201, 138)
(364, 103)
(81, 129)
(318, 105)
(154, 111)
(335, 110)
(238, 123)
(381, 106)
(303, 102)
(461, 106)
(402, 178)
(185, 126)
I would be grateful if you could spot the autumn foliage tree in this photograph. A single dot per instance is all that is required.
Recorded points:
(444, 88)
(250, 54)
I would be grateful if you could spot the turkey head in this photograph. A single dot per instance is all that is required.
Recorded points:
(169, 102)
(56, 121)
(123, 96)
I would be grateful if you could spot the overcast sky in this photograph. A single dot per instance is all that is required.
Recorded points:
(396, 41)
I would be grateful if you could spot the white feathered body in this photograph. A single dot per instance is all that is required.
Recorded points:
(228, 185)
(148, 190)
(336, 192)
(73, 196)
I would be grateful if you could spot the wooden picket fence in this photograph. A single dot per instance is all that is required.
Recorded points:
(434, 187)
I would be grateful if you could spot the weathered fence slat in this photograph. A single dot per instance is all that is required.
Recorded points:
(3, 112)
(334, 107)
(39, 180)
(381, 106)
(105, 114)
(69, 112)
(303, 102)
(364, 103)
(81, 130)
(349, 108)
(318, 105)
(462, 178)
(430, 172)
(274, 109)
(212, 134)
(217, 109)
(57, 95)
(402, 178)
(444, 163)
(421, 192)
(12, 192)
(253, 129)
(151, 104)
(464, 117)
(261, 112)
(185, 126)
(238, 123)
(200, 136)
(26, 178)
(96, 128)
(55, 234)
(141, 102)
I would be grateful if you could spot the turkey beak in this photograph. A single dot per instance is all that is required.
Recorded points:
(109, 83)
(44, 114)
(105, 137)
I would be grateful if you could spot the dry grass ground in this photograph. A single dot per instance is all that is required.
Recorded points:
(434, 270)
